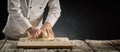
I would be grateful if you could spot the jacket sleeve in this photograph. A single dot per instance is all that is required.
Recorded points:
(54, 11)
(20, 22)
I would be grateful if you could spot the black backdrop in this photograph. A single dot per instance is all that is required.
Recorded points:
(82, 19)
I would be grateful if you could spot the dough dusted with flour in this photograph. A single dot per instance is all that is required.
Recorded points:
(45, 36)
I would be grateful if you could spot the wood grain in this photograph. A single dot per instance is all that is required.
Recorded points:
(59, 42)
(78, 46)
(100, 45)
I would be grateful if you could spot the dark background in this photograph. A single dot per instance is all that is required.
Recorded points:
(82, 19)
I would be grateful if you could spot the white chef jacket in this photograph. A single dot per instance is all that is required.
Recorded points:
(23, 14)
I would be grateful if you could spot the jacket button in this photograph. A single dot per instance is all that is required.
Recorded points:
(40, 7)
(30, 7)
(28, 18)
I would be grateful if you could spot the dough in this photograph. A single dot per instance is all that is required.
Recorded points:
(44, 36)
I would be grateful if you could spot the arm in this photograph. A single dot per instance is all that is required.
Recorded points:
(54, 11)
(53, 15)
(20, 22)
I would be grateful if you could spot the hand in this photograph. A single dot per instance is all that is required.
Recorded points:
(46, 30)
(33, 33)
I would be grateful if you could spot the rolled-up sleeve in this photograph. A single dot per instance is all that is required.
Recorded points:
(54, 11)
(20, 22)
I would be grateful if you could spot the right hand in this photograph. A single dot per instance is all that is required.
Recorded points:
(34, 33)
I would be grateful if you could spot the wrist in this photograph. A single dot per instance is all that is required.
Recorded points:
(48, 24)
(30, 29)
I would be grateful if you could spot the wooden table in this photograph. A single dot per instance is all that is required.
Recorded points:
(79, 46)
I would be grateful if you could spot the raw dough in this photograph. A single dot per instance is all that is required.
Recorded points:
(44, 36)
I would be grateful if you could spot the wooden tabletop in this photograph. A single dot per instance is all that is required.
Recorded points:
(79, 46)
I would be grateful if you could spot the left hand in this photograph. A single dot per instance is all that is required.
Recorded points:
(47, 30)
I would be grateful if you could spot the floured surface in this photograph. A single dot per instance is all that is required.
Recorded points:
(59, 42)
(78, 46)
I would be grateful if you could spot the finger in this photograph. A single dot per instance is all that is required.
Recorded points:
(47, 30)
(28, 33)
(36, 35)
(30, 37)
(51, 32)
(39, 33)
(44, 34)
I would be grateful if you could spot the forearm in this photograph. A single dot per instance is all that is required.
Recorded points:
(16, 16)
(54, 11)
